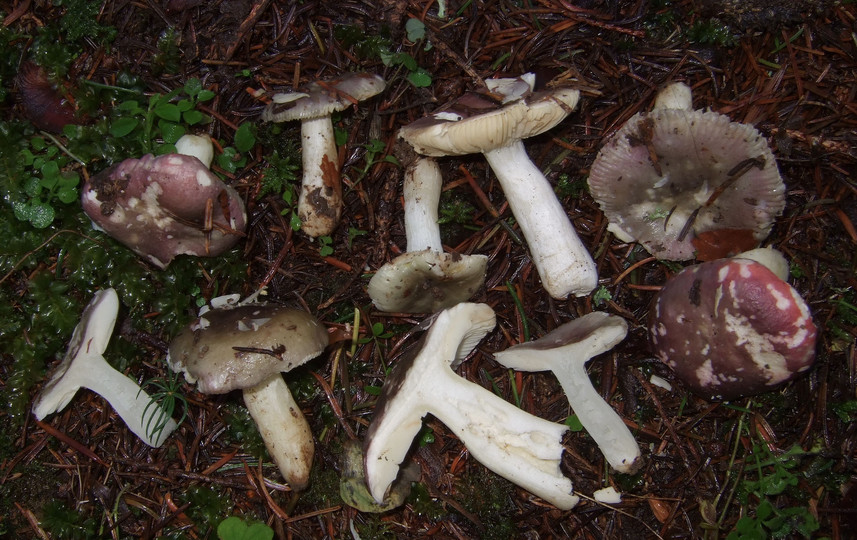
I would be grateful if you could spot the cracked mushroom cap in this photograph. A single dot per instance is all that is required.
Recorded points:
(323, 98)
(475, 123)
(731, 328)
(159, 206)
(674, 174)
(239, 347)
(426, 281)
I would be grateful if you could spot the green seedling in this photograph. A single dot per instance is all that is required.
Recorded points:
(325, 249)
(382, 47)
(165, 397)
(234, 528)
(601, 296)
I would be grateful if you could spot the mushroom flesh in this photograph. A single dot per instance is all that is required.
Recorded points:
(84, 366)
(518, 446)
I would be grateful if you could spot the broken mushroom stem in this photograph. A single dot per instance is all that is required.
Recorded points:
(516, 445)
(84, 366)
(320, 199)
(284, 429)
(421, 190)
(565, 351)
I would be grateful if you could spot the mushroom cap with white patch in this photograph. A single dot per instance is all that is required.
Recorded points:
(731, 328)
(239, 347)
(319, 99)
(672, 174)
(160, 207)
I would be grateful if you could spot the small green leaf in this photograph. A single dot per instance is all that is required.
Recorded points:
(123, 126)
(67, 194)
(420, 78)
(573, 423)
(38, 144)
(245, 137)
(184, 105)
(205, 95)
(170, 131)
(193, 86)
(193, 117)
(415, 29)
(168, 111)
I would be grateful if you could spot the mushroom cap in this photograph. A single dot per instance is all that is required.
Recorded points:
(476, 124)
(323, 98)
(157, 206)
(426, 281)
(239, 347)
(698, 153)
(731, 328)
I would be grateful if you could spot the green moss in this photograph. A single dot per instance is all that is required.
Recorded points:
(489, 497)
(208, 506)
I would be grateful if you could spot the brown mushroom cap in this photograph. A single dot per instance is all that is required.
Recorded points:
(158, 207)
(323, 98)
(731, 328)
(659, 180)
(240, 347)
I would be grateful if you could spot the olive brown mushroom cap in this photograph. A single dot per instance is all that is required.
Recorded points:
(247, 347)
(565, 351)
(84, 366)
(425, 279)
(674, 173)
(522, 448)
(165, 206)
(731, 328)
(477, 124)
(320, 199)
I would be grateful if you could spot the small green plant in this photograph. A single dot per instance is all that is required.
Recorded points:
(601, 296)
(166, 396)
(374, 154)
(47, 183)
(353, 233)
(566, 187)
(63, 522)
(325, 247)
(382, 47)
(235, 528)
(711, 32)
(455, 210)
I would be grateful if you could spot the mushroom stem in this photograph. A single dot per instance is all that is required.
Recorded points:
(565, 352)
(561, 259)
(284, 429)
(520, 447)
(85, 367)
(421, 190)
(320, 199)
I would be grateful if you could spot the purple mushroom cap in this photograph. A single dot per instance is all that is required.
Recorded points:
(165, 206)
(731, 328)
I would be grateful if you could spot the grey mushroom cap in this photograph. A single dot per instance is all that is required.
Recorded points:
(731, 328)
(672, 174)
(240, 347)
(426, 281)
(319, 99)
(165, 206)
(476, 124)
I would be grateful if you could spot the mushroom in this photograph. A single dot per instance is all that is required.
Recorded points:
(198, 146)
(475, 124)
(320, 199)
(516, 445)
(84, 366)
(731, 328)
(565, 351)
(425, 278)
(247, 347)
(165, 206)
(669, 178)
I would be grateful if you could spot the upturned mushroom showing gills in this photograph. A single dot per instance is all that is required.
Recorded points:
(731, 328)
(84, 366)
(246, 347)
(320, 199)
(475, 123)
(425, 278)
(670, 177)
(565, 351)
(165, 206)
(518, 446)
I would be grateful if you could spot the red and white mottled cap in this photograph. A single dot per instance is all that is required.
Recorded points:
(731, 328)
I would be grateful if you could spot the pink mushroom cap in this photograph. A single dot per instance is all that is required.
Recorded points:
(731, 328)
(165, 206)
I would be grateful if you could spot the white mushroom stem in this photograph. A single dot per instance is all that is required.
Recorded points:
(85, 367)
(421, 190)
(561, 259)
(565, 352)
(284, 429)
(520, 447)
(198, 146)
(320, 199)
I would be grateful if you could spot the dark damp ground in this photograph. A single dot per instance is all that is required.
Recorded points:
(781, 464)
